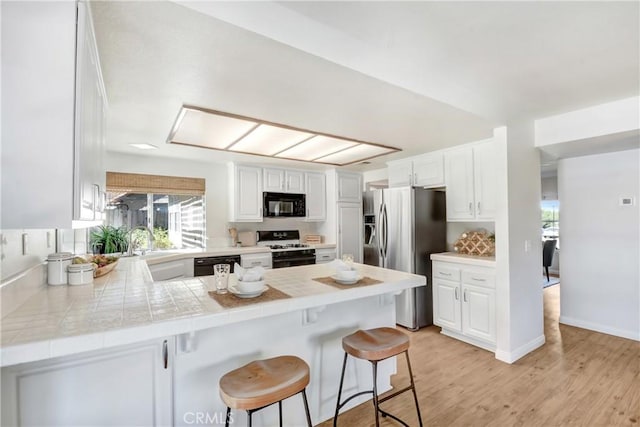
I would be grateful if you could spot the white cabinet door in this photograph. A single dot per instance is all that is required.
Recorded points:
(349, 187)
(294, 182)
(446, 304)
(89, 176)
(263, 260)
(478, 312)
(485, 179)
(273, 180)
(46, 165)
(428, 170)
(400, 174)
(316, 196)
(350, 225)
(246, 194)
(459, 182)
(129, 385)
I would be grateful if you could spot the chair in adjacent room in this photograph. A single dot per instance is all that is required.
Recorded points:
(548, 249)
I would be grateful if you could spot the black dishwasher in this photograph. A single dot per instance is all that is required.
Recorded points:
(204, 266)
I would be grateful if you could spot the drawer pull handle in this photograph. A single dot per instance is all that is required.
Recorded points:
(464, 296)
(444, 274)
(456, 293)
(256, 263)
(478, 280)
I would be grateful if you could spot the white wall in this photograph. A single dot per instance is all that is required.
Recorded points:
(40, 243)
(604, 119)
(600, 243)
(550, 188)
(518, 246)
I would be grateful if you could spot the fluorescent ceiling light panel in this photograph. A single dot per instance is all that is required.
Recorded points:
(210, 130)
(144, 146)
(217, 130)
(268, 140)
(355, 154)
(316, 147)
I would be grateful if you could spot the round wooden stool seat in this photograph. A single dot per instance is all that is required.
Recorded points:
(375, 344)
(263, 382)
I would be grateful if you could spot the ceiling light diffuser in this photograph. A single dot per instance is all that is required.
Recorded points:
(144, 146)
(217, 130)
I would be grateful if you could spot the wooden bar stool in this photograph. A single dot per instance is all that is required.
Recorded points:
(262, 383)
(375, 345)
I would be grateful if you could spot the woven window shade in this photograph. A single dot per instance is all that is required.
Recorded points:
(139, 183)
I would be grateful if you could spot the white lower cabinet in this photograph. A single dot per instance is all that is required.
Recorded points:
(464, 302)
(128, 385)
(325, 255)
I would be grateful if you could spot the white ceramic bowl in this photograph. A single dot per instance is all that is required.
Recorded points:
(249, 287)
(347, 274)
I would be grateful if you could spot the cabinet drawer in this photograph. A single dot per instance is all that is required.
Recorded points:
(479, 278)
(446, 271)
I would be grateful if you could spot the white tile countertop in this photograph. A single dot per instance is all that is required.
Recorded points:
(126, 306)
(482, 261)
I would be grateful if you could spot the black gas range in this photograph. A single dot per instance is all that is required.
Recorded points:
(286, 249)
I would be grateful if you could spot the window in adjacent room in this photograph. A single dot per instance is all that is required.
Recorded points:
(551, 220)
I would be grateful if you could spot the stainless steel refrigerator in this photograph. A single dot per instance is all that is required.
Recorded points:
(409, 224)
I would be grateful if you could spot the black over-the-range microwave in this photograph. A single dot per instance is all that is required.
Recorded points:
(283, 205)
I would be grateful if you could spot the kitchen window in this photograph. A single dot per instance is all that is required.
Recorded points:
(172, 207)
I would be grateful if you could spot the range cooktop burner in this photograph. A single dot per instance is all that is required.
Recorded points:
(289, 246)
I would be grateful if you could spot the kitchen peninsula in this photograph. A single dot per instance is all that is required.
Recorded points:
(128, 350)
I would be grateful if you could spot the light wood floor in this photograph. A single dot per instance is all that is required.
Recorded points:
(578, 378)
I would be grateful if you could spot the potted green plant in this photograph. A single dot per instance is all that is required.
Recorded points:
(106, 239)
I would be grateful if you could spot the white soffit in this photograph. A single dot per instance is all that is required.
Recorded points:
(217, 130)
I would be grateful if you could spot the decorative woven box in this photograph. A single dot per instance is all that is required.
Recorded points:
(479, 243)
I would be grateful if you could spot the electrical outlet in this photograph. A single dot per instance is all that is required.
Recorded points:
(48, 239)
(527, 245)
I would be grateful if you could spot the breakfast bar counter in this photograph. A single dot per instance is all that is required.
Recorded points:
(197, 337)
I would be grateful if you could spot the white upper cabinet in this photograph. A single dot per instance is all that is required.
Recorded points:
(273, 180)
(349, 187)
(53, 126)
(283, 181)
(485, 175)
(400, 173)
(471, 178)
(245, 193)
(315, 183)
(426, 170)
(459, 181)
(90, 176)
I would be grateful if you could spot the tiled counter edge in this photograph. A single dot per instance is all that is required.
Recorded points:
(64, 346)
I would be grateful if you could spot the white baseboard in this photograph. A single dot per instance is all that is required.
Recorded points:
(523, 350)
(632, 335)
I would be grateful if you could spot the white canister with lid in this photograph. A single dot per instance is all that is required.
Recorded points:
(57, 267)
(81, 274)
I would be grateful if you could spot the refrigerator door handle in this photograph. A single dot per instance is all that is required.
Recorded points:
(379, 235)
(386, 231)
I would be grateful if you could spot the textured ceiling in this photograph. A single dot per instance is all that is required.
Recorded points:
(414, 75)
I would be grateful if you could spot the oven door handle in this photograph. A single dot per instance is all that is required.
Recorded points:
(309, 258)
